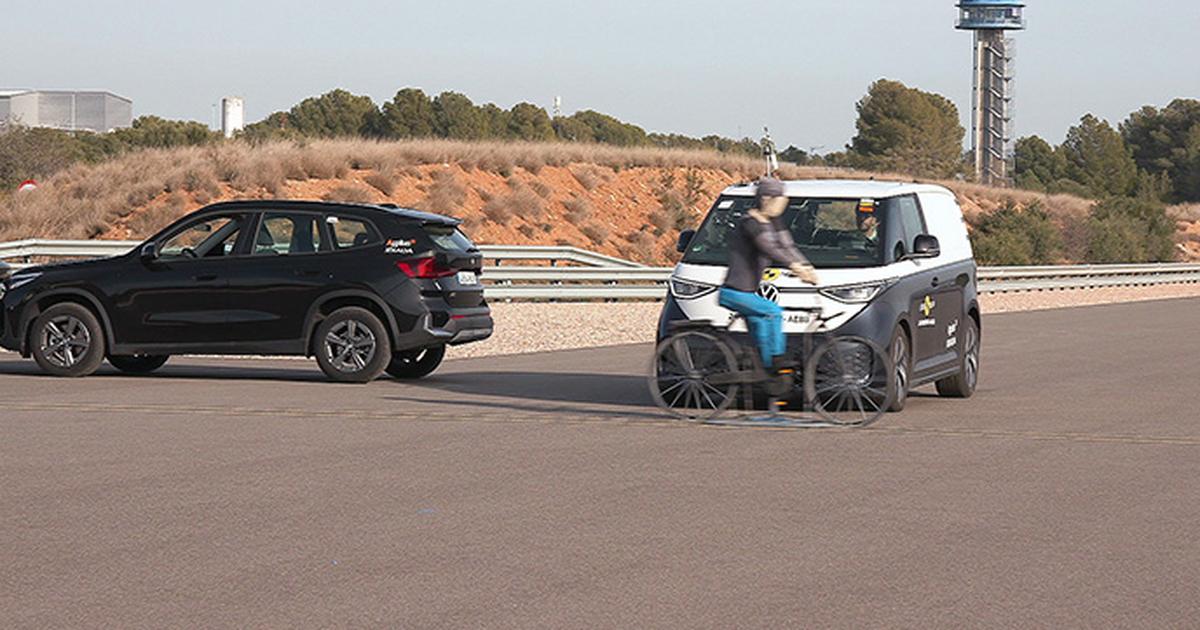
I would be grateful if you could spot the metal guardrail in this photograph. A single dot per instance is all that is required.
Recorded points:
(607, 278)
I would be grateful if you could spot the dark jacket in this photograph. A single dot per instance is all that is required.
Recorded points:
(753, 246)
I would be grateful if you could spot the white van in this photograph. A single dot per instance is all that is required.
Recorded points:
(909, 284)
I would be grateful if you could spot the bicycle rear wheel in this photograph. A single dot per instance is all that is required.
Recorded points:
(692, 375)
(849, 381)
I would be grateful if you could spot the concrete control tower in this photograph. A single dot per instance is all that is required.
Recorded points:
(991, 108)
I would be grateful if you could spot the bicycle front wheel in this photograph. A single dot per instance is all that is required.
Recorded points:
(692, 375)
(849, 381)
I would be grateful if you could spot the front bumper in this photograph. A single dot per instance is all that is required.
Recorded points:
(875, 321)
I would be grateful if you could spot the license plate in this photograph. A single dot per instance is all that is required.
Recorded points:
(802, 319)
(467, 277)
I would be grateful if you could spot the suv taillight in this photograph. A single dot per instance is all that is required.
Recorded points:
(424, 268)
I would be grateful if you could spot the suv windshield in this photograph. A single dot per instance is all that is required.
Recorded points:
(829, 232)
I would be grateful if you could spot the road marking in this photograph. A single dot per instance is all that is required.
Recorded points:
(579, 417)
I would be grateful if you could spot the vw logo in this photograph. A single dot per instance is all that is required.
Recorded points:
(769, 291)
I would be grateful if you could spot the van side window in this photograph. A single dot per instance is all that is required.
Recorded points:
(909, 224)
(348, 232)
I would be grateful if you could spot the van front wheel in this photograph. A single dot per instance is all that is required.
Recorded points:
(962, 385)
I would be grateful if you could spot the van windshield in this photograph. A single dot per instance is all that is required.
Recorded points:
(829, 232)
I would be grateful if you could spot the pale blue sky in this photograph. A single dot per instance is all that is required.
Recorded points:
(704, 66)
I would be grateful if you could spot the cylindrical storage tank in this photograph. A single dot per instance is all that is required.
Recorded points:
(233, 115)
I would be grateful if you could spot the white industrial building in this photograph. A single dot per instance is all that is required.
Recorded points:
(67, 110)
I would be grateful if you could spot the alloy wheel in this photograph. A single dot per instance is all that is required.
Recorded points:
(350, 346)
(65, 341)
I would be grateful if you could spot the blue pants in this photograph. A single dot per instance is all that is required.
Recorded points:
(764, 317)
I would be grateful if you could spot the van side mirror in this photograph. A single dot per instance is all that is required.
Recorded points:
(926, 246)
(685, 239)
(149, 252)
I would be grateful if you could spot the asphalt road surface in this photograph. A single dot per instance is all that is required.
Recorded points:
(542, 491)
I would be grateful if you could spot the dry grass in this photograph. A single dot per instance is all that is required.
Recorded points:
(595, 232)
(382, 181)
(446, 195)
(352, 193)
(1185, 212)
(579, 210)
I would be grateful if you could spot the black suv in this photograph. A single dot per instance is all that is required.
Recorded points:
(362, 288)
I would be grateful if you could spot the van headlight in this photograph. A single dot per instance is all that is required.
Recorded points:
(857, 293)
(688, 290)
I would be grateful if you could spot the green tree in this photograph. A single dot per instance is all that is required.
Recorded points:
(1012, 236)
(455, 116)
(527, 121)
(1098, 159)
(1037, 165)
(277, 126)
(1166, 144)
(1125, 230)
(572, 130)
(495, 122)
(334, 114)
(34, 153)
(408, 115)
(608, 130)
(907, 130)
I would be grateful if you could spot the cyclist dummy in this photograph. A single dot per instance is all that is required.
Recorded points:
(758, 241)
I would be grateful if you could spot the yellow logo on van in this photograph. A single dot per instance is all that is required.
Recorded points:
(771, 275)
(927, 306)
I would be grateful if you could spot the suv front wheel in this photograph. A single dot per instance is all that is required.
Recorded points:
(416, 363)
(67, 340)
(352, 346)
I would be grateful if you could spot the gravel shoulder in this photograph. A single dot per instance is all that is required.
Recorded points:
(540, 327)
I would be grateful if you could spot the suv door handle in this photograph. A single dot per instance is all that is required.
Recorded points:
(934, 282)
(205, 277)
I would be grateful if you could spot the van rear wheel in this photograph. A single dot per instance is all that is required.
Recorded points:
(962, 385)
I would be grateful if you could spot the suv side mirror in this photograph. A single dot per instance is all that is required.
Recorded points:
(685, 239)
(149, 252)
(926, 246)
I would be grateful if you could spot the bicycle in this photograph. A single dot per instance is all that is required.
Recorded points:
(698, 370)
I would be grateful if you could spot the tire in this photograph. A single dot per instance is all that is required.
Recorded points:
(849, 381)
(691, 376)
(352, 346)
(900, 350)
(411, 364)
(67, 340)
(138, 363)
(962, 385)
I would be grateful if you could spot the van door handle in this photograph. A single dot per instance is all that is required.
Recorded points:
(205, 277)
(934, 282)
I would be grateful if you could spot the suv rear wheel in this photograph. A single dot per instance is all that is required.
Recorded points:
(67, 340)
(352, 346)
(138, 363)
(416, 363)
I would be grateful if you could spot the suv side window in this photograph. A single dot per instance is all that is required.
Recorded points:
(348, 232)
(211, 237)
(282, 233)
(908, 224)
